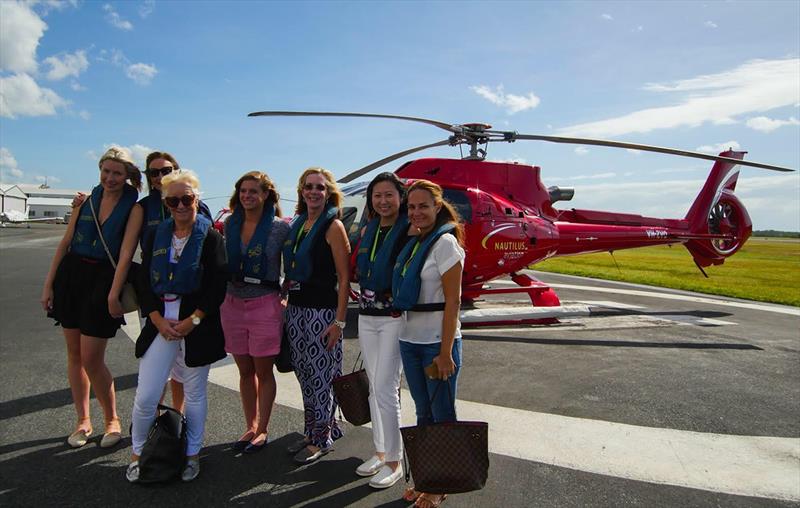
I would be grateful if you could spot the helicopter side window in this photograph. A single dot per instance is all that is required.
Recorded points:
(461, 202)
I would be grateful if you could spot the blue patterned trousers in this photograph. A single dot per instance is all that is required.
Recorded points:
(315, 368)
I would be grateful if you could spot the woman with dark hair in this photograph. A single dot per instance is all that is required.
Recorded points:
(82, 288)
(379, 325)
(315, 258)
(427, 285)
(181, 287)
(252, 314)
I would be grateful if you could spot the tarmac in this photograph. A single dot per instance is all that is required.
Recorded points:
(656, 398)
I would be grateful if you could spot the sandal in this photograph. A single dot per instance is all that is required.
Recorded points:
(410, 494)
(426, 501)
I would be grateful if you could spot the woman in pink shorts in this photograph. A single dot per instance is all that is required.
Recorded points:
(252, 314)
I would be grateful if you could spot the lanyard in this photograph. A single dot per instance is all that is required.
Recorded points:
(298, 240)
(375, 242)
(410, 258)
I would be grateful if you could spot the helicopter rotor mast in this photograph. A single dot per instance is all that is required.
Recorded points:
(475, 134)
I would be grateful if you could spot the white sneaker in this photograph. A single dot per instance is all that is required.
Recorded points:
(386, 477)
(191, 470)
(370, 467)
(132, 474)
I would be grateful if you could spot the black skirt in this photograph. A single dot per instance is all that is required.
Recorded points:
(80, 296)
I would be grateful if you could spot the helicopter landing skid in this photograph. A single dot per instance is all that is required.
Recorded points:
(541, 295)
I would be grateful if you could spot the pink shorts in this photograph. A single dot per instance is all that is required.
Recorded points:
(253, 326)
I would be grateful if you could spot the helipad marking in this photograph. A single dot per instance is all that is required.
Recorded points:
(742, 465)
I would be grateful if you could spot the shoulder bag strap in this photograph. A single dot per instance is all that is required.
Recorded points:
(100, 232)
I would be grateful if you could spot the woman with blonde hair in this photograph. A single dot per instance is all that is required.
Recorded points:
(181, 287)
(252, 314)
(315, 258)
(426, 284)
(82, 290)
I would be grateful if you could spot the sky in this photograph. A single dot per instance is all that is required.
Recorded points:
(79, 76)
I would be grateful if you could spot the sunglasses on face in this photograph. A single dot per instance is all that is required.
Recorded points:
(163, 171)
(173, 201)
(311, 186)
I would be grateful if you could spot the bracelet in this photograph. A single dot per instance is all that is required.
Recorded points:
(340, 324)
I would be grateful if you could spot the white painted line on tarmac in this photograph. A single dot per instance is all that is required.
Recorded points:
(742, 465)
(612, 305)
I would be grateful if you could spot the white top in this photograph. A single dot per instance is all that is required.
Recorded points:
(172, 302)
(426, 327)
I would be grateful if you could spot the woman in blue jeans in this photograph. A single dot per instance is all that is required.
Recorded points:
(427, 284)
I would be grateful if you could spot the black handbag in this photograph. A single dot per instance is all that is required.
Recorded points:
(352, 394)
(163, 456)
(447, 457)
(283, 362)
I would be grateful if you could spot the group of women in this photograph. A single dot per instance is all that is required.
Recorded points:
(204, 296)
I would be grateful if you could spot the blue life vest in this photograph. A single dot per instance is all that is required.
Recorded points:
(406, 281)
(297, 258)
(155, 212)
(374, 265)
(254, 264)
(85, 240)
(183, 277)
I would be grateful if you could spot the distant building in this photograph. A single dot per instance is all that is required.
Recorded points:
(46, 202)
(12, 199)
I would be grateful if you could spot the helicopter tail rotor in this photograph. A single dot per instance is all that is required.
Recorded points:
(717, 211)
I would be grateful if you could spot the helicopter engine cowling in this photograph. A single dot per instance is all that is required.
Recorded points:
(727, 216)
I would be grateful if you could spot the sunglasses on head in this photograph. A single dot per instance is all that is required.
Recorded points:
(173, 201)
(154, 172)
(311, 186)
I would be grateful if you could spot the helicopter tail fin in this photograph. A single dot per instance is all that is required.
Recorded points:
(717, 212)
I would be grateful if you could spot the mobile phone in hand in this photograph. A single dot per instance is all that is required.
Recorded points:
(432, 371)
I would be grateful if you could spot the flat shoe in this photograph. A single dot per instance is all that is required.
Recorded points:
(132, 474)
(191, 470)
(254, 448)
(306, 456)
(79, 438)
(297, 446)
(370, 466)
(110, 439)
(385, 478)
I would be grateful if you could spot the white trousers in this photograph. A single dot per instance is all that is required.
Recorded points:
(154, 370)
(380, 348)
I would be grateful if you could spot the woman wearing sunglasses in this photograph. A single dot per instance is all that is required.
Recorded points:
(252, 315)
(81, 288)
(315, 258)
(181, 286)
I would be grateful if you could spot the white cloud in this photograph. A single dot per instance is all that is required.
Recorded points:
(596, 176)
(710, 24)
(607, 17)
(84, 114)
(581, 150)
(756, 86)
(633, 151)
(719, 147)
(147, 8)
(77, 87)
(20, 31)
(512, 103)
(764, 124)
(66, 65)
(20, 95)
(8, 166)
(137, 151)
(639, 28)
(116, 20)
(141, 73)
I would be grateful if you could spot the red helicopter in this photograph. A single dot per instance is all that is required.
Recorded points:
(510, 220)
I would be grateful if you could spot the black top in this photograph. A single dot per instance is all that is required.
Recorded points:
(206, 343)
(319, 291)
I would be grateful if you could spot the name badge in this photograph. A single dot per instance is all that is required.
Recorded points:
(295, 286)
(368, 295)
(251, 280)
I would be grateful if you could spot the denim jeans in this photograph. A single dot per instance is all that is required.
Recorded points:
(415, 358)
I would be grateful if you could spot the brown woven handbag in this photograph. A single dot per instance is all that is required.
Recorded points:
(448, 457)
(352, 394)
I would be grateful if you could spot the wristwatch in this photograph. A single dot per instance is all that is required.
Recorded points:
(195, 319)
(340, 324)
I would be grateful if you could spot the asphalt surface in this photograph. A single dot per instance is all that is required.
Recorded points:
(646, 361)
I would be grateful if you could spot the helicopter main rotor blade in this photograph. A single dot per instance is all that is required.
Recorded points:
(366, 169)
(435, 123)
(644, 148)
